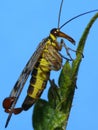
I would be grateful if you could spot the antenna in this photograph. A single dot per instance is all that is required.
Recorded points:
(60, 13)
(75, 17)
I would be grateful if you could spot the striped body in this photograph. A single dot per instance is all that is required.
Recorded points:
(49, 60)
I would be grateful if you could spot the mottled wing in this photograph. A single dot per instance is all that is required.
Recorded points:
(28, 69)
(17, 89)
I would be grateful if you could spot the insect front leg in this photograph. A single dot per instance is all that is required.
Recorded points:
(67, 50)
(60, 45)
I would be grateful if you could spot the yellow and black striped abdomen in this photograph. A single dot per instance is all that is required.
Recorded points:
(40, 76)
(49, 60)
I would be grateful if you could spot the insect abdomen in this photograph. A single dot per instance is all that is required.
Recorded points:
(49, 60)
(40, 76)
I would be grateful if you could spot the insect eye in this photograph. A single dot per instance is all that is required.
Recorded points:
(54, 31)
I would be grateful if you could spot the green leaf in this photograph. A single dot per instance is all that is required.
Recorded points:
(47, 118)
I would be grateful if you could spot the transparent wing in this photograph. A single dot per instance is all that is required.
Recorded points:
(17, 89)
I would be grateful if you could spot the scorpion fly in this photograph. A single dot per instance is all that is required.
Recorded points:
(47, 57)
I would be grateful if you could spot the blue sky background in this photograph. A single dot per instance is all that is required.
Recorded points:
(23, 24)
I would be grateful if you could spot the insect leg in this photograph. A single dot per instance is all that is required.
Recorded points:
(59, 47)
(67, 50)
(54, 93)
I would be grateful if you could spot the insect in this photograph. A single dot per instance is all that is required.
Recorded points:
(47, 57)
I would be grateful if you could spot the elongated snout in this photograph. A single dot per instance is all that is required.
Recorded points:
(57, 33)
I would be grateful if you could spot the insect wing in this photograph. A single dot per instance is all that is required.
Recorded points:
(17, 89)
(27, 69)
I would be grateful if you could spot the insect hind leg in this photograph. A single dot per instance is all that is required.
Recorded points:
(53, 93)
